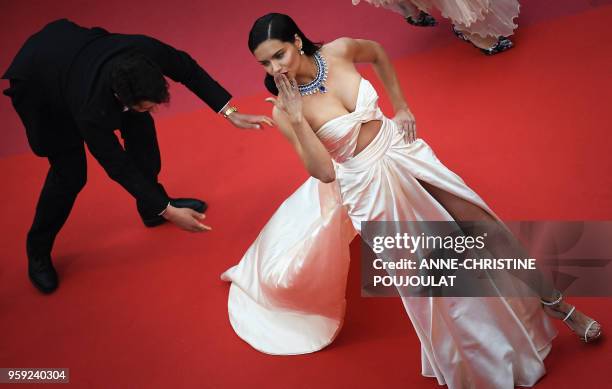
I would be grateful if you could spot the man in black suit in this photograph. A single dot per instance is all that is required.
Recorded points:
(73, 86)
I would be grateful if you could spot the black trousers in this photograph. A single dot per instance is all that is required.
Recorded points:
(47, 125)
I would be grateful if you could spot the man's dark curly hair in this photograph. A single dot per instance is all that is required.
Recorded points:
(135, 78)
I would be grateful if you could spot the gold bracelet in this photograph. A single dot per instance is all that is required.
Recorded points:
(164, 211)
(229, 111)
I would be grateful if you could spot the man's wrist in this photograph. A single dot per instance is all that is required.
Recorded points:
(225, 106)
(163, 213)
(230, 110)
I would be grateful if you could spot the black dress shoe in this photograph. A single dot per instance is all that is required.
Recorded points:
(195, 204)
(42, 273)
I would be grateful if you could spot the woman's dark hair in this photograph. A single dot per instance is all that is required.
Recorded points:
(136, 78)
(283, 28)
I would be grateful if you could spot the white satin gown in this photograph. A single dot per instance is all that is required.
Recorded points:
(482, 17)
(287, 294)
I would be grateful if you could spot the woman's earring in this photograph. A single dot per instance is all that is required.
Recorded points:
(301, 52)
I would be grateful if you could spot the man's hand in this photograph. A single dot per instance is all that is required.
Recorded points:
(186, 218)
(243, 120)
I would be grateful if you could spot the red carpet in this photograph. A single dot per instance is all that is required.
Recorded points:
(144, 308)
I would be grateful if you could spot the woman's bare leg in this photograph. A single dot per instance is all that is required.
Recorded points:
(463, 210)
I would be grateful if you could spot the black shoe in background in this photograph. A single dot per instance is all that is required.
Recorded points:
(423, 19)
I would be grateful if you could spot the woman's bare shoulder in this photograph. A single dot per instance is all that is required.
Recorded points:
(340, 47)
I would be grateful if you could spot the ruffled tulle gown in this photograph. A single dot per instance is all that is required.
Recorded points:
(287, 294)
(482, 17)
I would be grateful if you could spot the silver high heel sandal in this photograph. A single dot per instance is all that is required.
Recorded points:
(555, 304)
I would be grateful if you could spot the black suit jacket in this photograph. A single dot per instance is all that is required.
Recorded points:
(70, 67)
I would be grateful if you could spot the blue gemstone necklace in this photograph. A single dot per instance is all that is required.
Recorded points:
(318, 84)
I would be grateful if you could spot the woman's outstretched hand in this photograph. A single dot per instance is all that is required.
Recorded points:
(289, 99)
(406, 122)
